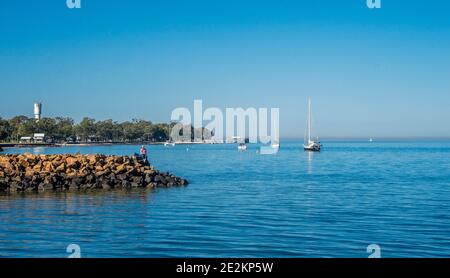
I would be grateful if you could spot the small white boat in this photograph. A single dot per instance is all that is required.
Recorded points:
(242, 147)
(309, 144)
(371, 140)
(169, 144)
(275, 145)
(312, 146)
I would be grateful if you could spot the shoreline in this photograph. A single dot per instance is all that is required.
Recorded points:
(5, 146)
(59, 145)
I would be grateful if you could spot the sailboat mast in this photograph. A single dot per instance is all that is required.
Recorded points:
(309, 120)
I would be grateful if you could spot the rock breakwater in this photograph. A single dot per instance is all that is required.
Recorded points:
(28, 172)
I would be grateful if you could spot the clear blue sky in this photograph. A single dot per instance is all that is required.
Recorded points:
(373, 73)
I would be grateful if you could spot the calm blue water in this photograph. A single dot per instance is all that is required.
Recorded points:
(293, 204)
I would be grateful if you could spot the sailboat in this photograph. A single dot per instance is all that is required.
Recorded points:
(310, 145)
(242, 147)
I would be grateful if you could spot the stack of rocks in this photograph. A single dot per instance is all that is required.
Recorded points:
(28, 172)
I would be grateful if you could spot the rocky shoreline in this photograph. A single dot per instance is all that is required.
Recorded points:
(63, 172)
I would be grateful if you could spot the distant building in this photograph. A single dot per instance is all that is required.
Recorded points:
(37, 111)
(25, 139)
(39, 137)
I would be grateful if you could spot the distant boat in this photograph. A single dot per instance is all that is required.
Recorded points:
(242, 147)
(310, 145)
(370, 140)
(275, 145)
(169, 144)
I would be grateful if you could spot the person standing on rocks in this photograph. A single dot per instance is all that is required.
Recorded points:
(143, 152)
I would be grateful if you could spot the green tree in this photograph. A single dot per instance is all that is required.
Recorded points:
(131, 132)
(27, 128)
(85, 129)
(64, 129)
(46, 126)
(161, 132)
(5, 130)
(17, 125)
(146, 127)
(107, 130)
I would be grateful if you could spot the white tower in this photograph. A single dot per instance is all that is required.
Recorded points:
(37, 111)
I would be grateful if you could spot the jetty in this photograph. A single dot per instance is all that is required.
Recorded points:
(63, 172)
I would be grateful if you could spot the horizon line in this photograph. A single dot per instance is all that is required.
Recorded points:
(375, 139)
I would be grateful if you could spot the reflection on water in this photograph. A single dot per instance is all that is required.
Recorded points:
(38, 150)
(309, 161)
(243, 204)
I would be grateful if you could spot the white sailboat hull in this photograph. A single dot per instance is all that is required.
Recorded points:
(312, 146)
(242, 147)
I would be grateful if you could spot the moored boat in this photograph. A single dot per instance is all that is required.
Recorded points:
(309, 144)
(242, 147)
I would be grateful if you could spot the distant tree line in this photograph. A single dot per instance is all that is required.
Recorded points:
(63, 129)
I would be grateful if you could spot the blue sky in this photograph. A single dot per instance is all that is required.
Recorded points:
(371, 73)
